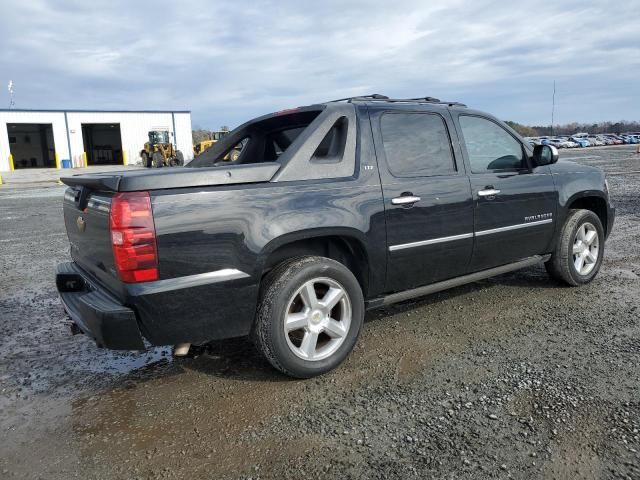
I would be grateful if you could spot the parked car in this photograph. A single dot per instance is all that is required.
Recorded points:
(595, 142)
(617, 140)
(328, 211)
(581, 141)
(606, 140)
(550, 141)
(565, 143)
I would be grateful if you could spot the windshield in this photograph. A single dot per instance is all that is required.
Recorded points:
(158, 136)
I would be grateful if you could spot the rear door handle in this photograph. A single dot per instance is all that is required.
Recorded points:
(405, 200)
(488, 192)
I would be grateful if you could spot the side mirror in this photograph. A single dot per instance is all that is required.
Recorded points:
(544, 155)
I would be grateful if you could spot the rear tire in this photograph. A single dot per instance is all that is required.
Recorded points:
(309, 317)
(578, 254)
(179, 158)
(157, 160)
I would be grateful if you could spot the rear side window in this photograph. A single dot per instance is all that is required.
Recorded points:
(416, 144)
(489, 146)
(331, 149)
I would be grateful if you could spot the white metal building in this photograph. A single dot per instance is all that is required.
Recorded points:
(78, 138)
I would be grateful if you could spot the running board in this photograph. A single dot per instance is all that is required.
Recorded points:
(455, 282)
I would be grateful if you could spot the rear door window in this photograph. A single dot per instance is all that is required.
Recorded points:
(416, 145)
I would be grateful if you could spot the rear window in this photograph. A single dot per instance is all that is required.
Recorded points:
(258, 141)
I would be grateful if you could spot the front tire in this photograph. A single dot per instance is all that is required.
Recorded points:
(309, 317)
(145, 159)
(234, 155)
(157, 160)
(578, 255)
(179, 158)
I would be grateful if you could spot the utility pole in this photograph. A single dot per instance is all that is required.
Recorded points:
(12, 102)
(553, 106)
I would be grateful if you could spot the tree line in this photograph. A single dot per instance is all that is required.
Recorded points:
(199, 134)
(575, 127)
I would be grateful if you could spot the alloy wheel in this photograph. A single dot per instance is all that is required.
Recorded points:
(317, 319)
(586, 248)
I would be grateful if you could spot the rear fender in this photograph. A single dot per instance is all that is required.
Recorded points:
(305, 242)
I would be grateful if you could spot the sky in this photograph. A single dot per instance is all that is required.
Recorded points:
(230, 61)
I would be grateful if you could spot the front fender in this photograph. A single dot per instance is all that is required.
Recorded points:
(575, 182)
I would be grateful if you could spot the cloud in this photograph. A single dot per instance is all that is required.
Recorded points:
(230, 61)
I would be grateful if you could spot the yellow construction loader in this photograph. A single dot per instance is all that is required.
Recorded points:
(215, 137)
(159, 151)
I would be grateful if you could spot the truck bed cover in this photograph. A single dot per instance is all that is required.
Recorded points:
(177, 177)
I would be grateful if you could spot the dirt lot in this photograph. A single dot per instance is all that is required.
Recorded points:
(515, 376)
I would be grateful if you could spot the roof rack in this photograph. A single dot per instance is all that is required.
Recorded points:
(384, 98)
(427, 99)
(373, 96)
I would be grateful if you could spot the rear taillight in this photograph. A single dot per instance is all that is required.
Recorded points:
(133, 237)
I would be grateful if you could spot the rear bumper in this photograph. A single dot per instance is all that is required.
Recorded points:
(192, 309)
(96, 312)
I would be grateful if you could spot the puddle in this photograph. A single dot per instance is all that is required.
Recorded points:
(122, 363)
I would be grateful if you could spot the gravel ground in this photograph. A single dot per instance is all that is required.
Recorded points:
(512, 377)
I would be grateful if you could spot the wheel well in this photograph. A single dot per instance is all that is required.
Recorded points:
(346, 250)
(596, 204)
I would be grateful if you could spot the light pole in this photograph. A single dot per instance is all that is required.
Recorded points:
(553, 106)
(12, 102)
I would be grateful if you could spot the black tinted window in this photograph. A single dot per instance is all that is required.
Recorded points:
(489, 146)
(416, 144)
(332, 146)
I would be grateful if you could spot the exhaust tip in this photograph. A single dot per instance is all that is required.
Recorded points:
(181, 349)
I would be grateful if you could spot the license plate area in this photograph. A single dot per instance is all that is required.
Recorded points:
(71, 282)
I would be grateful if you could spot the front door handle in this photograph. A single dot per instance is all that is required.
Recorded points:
(488, 192)
(405, 200)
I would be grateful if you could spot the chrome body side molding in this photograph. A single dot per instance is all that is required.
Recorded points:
(422, 243)
(159, 286)
(512, 227)
(480, 233)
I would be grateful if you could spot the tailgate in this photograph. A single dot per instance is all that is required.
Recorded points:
(86, 218)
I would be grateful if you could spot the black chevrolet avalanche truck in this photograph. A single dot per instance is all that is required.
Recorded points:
(327, 211)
